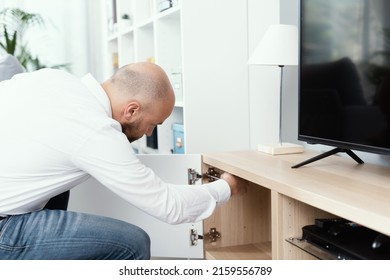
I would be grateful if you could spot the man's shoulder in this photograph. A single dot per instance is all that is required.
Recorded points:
(54, 72)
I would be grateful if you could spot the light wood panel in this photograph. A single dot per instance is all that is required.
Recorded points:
(281, 200)
(243, 220)
(360, 193)
(257, 251)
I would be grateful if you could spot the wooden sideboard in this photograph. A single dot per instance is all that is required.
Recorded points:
(281, 200)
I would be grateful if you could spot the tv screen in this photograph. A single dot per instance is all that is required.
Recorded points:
(344, 74)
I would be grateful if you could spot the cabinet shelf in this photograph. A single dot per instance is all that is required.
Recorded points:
(179, 104)
(126, 31)
(112, 37)
(171, 13)
(192, 52)
(147, 23)
(256, 251)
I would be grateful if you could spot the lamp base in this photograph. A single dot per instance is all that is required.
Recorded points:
(280, 149)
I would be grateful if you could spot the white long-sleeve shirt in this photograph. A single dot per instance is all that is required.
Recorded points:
(56, 130)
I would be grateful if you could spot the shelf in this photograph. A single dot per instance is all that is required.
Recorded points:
(112, 37)
(148, 23)
(171, 13)
(126, 30)
(179, 104)
(311, 249)
(257, 251)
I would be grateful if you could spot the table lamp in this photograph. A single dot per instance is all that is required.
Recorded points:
(278, 47)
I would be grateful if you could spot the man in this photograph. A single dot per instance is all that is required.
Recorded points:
(56, 132)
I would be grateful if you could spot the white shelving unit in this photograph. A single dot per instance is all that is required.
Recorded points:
(203, 49)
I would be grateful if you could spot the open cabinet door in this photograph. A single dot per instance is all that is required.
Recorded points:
(168, 241)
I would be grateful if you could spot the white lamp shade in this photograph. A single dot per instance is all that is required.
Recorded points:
(279, 46)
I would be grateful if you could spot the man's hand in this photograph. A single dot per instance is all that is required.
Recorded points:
(237, 186)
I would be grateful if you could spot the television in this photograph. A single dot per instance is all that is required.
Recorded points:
(344, 76)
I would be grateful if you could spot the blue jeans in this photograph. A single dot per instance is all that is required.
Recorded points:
(65, 235)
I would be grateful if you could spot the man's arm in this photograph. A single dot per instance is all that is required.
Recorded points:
(237, 185)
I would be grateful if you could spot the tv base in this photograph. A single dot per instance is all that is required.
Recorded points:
(280, 149)
(329, 153)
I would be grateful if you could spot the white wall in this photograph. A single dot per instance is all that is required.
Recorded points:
(96, 34)
(67, 37)
(289, 12)
(263, 80)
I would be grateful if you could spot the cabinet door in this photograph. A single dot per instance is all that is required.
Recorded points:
(168, 241)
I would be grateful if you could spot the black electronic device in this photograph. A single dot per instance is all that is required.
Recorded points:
(347, 240)
(344, 76)
(381, 243)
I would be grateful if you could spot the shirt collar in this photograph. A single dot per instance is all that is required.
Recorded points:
(90, 82)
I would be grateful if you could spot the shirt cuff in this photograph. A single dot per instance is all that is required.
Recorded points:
(219, 190)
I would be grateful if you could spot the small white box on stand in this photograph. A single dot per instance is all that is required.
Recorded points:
(280, 148)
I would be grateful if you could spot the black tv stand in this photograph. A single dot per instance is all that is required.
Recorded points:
(329, 153)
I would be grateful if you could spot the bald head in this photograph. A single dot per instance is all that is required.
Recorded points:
(142, 80)
(140, 93)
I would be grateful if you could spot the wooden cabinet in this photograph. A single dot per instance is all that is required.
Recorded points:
(281, 200)
(244, 224)
(261, 223)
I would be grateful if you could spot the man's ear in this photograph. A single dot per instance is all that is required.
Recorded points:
(132, 111)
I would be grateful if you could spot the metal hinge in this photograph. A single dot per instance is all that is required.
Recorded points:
(193, 176)
(211, 236)
(194, 237)
(211, 174)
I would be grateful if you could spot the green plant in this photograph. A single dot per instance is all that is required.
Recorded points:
(14, 23)
(125, 16)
